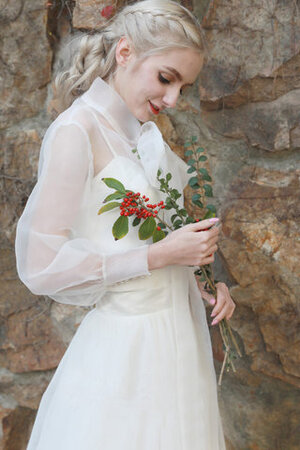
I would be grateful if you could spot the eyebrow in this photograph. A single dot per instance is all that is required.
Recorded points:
(177, 74)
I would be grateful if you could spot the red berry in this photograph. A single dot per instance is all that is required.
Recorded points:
(107, 11)
(158, 228)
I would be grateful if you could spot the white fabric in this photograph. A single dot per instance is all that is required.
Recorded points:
(138, 374)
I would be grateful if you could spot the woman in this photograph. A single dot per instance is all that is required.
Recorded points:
(138, 374)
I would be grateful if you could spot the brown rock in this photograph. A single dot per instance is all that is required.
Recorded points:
(261, 250)
(16, 428)
(264, 125)
(25, 60)
(87, 13)
(237, 71)
(30, 341)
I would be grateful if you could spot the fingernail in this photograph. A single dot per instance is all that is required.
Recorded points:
(214, 322)
(214, 219)
(212, 301)
(213, 314)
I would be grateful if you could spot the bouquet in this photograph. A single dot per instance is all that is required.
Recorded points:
(151, 223)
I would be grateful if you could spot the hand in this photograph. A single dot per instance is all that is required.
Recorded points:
(224, 306)
(191, 245)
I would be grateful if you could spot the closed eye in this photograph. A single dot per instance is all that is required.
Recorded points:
(163, 79)
(166, 81)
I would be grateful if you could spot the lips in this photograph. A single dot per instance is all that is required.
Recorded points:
(154, 109)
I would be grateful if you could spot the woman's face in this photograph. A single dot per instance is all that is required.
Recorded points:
(150, 86)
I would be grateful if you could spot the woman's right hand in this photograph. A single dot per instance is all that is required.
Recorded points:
(187, 246)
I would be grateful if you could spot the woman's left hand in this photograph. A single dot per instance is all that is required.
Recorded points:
(225, 305)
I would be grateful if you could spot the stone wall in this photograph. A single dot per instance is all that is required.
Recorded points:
(246, 114)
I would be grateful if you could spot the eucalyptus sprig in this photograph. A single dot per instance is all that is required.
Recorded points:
(200, 181)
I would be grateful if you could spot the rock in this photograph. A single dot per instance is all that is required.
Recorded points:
(264, 125)
(16, 425)
(30, 341)
(25, 73)
(259, 244)
(274, 33)
(87, 13)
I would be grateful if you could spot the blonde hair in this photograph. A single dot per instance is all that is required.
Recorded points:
(152, 26)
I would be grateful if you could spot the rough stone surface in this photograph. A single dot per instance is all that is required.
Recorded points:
(260, 246)
(87, 13)
(248, 122)
(24, 73)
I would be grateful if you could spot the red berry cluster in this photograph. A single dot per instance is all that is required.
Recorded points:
(134, 204)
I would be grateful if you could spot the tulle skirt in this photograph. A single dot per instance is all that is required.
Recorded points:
(137, 375)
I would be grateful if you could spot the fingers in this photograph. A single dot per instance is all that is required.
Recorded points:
(204, 224)
(225, 305)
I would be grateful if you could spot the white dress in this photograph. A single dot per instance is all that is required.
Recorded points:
(138, 373)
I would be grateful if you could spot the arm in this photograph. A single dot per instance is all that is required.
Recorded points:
(49, 261)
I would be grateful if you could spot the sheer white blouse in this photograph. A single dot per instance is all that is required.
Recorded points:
(78, 145)
(52, 258)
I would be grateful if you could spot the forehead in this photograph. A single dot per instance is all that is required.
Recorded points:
(184, 64)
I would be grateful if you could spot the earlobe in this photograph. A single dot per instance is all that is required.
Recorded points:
(123, 51)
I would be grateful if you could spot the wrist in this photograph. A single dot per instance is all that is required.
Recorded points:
(158, 255)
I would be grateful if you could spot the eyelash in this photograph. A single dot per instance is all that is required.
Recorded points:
(165, 81)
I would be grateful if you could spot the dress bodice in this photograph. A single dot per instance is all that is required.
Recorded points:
(98, 228)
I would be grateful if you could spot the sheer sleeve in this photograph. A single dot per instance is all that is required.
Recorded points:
(49, 261)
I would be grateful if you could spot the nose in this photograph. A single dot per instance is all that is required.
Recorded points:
(171, 96)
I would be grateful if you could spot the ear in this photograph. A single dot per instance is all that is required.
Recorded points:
(124, 51)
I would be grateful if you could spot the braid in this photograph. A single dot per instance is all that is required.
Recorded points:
(152, 26)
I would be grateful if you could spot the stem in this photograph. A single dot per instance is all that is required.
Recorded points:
(222, 369)
(165, 223)
(233, 339)
(200, 181)
(208, 280)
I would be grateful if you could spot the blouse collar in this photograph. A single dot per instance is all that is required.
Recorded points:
(102, 97)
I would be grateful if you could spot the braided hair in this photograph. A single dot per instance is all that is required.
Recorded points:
(152, 26)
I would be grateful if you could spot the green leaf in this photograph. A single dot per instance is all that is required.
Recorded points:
(194, 139)
(203, 158)
(161, 225)
(204, 174)
(175, 194)
(200, 150)
(198, 203)
(196, 197)
(169, 176)
(208, 190)
(114, 184)
(211, 208)
(187, 144)
(114, 196)
(183, 212)
(189, 220)
(208, 215)
(108, 207)
(177, 224)
(191, 170)
(158, 235)
(191, 162)
(188, 152)
(120, 227)
(174, 217)
(147, 228)
(193, 181)
(195, 186)
(136, 222)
